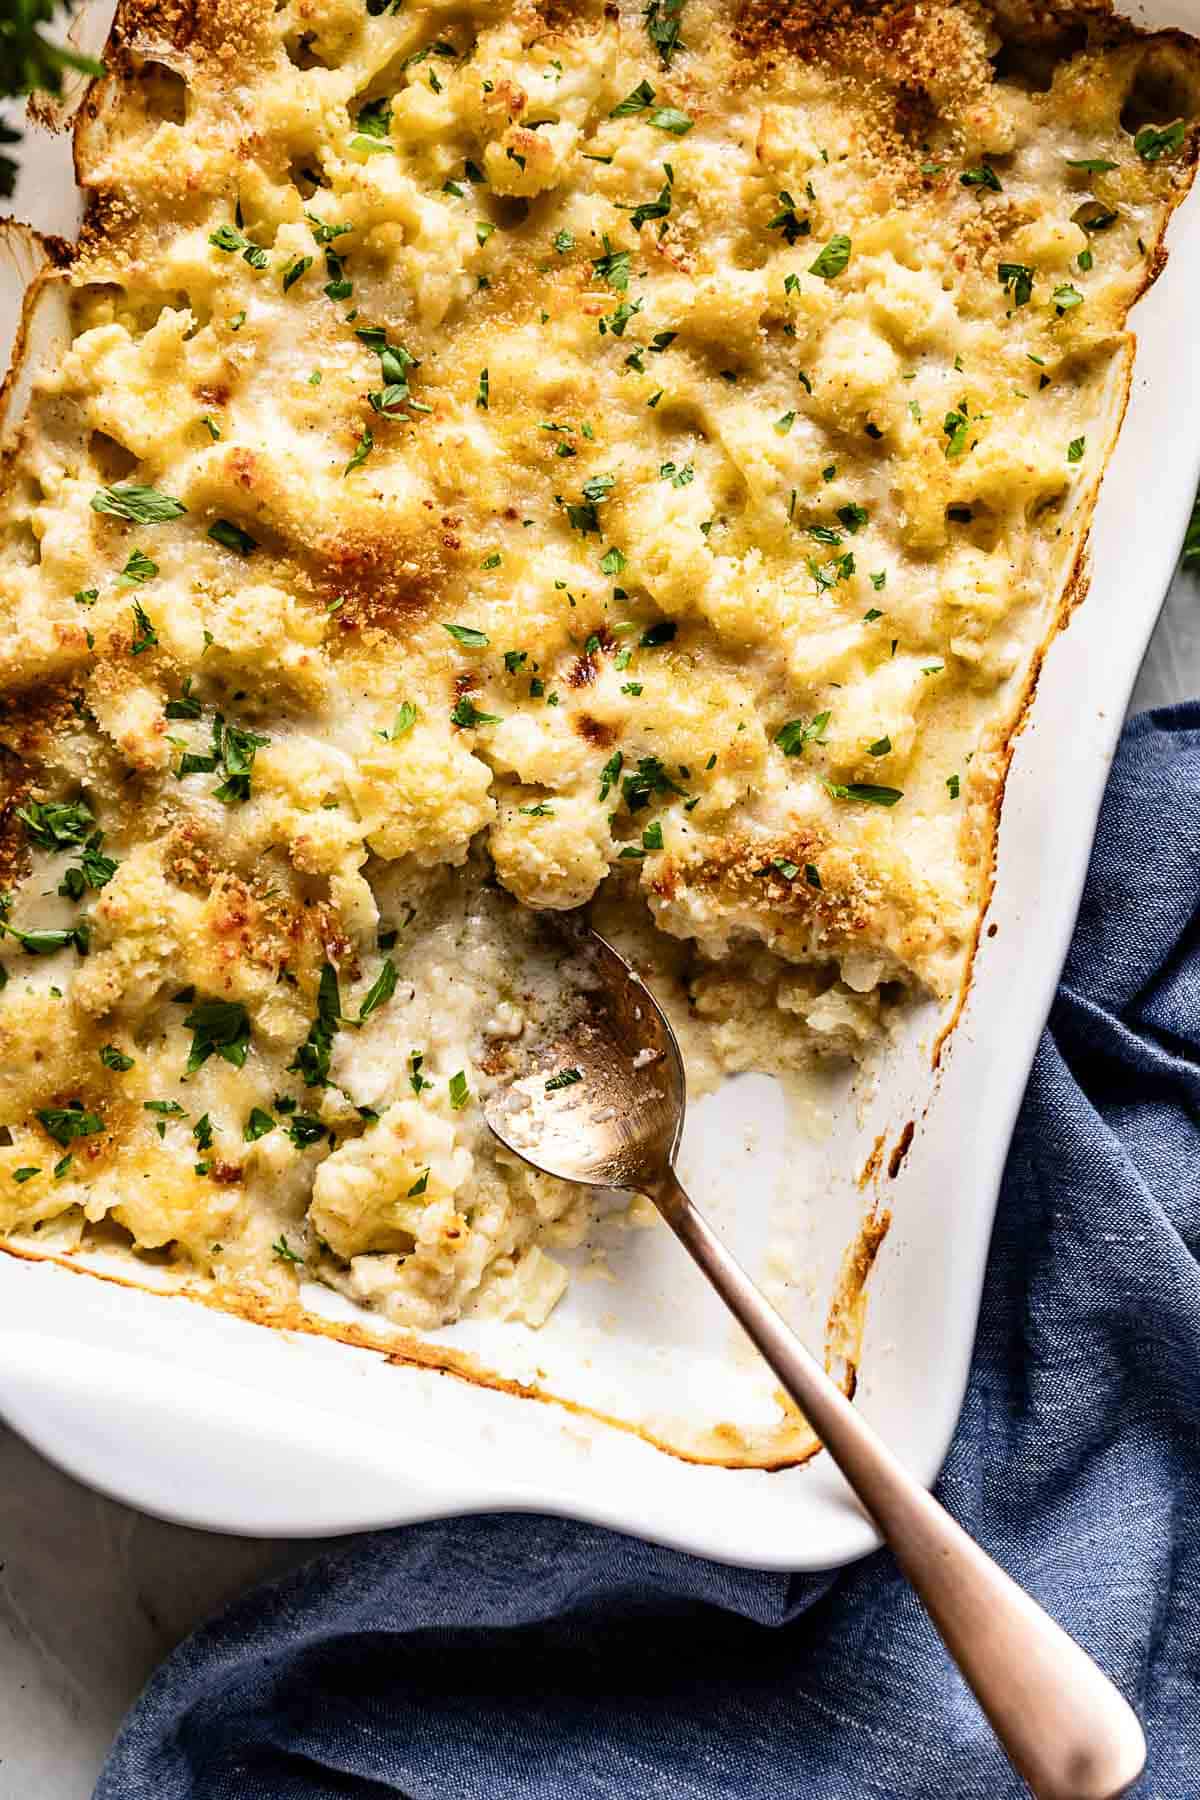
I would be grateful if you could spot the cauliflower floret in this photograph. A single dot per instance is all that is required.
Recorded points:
(374, 1192)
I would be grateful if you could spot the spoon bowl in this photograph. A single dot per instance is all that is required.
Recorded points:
(603, 1100)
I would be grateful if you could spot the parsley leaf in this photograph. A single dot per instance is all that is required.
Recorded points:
(669, 118)
(864, 790)
(833, 258)
(52, 825)
(146, 635)
(112, 1058)
(219, 1028)
(1153, 142)
(140, 505)
(564, 1079)
(467, 714)
(662, 28)
(982, 177)
(467, 634)
(66, 1123)
(380, 991)
(362, 450)
(312, 1058)
(638, 101)
(1016, 279)
(613, 267)
(793, 736)
(223, 531)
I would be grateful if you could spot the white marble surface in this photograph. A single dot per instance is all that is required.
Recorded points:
(93, 1595)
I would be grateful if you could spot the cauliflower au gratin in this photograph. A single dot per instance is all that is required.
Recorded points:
(628, 454)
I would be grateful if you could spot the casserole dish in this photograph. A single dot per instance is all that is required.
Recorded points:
(211, 1420)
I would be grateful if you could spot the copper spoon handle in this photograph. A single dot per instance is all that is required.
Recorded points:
(1063, 1724)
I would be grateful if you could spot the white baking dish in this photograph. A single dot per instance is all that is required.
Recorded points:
(212, 1421)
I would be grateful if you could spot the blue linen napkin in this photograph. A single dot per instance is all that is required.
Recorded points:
(527, 1658)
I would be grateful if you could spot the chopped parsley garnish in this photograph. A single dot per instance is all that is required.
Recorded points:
(652, 209)
(219, 1028)
(1092, 165)
(492, 561)
(514, 659)
(669, 118)
(610, 773)
(459, 1092)
(419, 1185)
(784, 424)
(982, 177)
(650, 778)
(652, 836)
(402, 724)
(66, 1123)
(112, 1058)
(955, 425)
(540, 811)
(790, 226)
(54, 825)
(613, 561)
(467, 634)
(94, 871)
(140, 505)
(1065, 298)
(864, 790)
(878, 581)
(1017, 280)
(613, 267)
(86, 596)
(663, 26)
(482, 391)
(362, 450)
(563, 241)
(379, 992)
(312, 1058)
(793, 736)
(467, 714)
(1075, 449)
(853, 517)
(678, 477)
(45, 942)
(952, 786)
(1093, 216)
(833, 258)
(257, 1125)
(564, 1079)
(881, 747)
(138, 568)
(145, 635)
(224, 531)
(812, 875)
(641, 98)
(375, 118)
(231, 240)
(25, 1174)
(284, 1251)
(295, 269)
(416, 1080)
(1153, 142)
(304, 1130)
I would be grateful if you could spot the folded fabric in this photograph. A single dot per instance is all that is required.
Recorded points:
(527, 1658)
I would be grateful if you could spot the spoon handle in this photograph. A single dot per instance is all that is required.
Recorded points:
(1063, 1724)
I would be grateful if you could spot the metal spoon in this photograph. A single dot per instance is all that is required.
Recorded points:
(604, 1105)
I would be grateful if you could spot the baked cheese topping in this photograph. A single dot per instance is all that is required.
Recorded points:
(604, 451)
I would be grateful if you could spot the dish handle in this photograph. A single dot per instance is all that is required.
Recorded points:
(130, 1428)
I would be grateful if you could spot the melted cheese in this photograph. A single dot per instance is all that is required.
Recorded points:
(598, 463)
